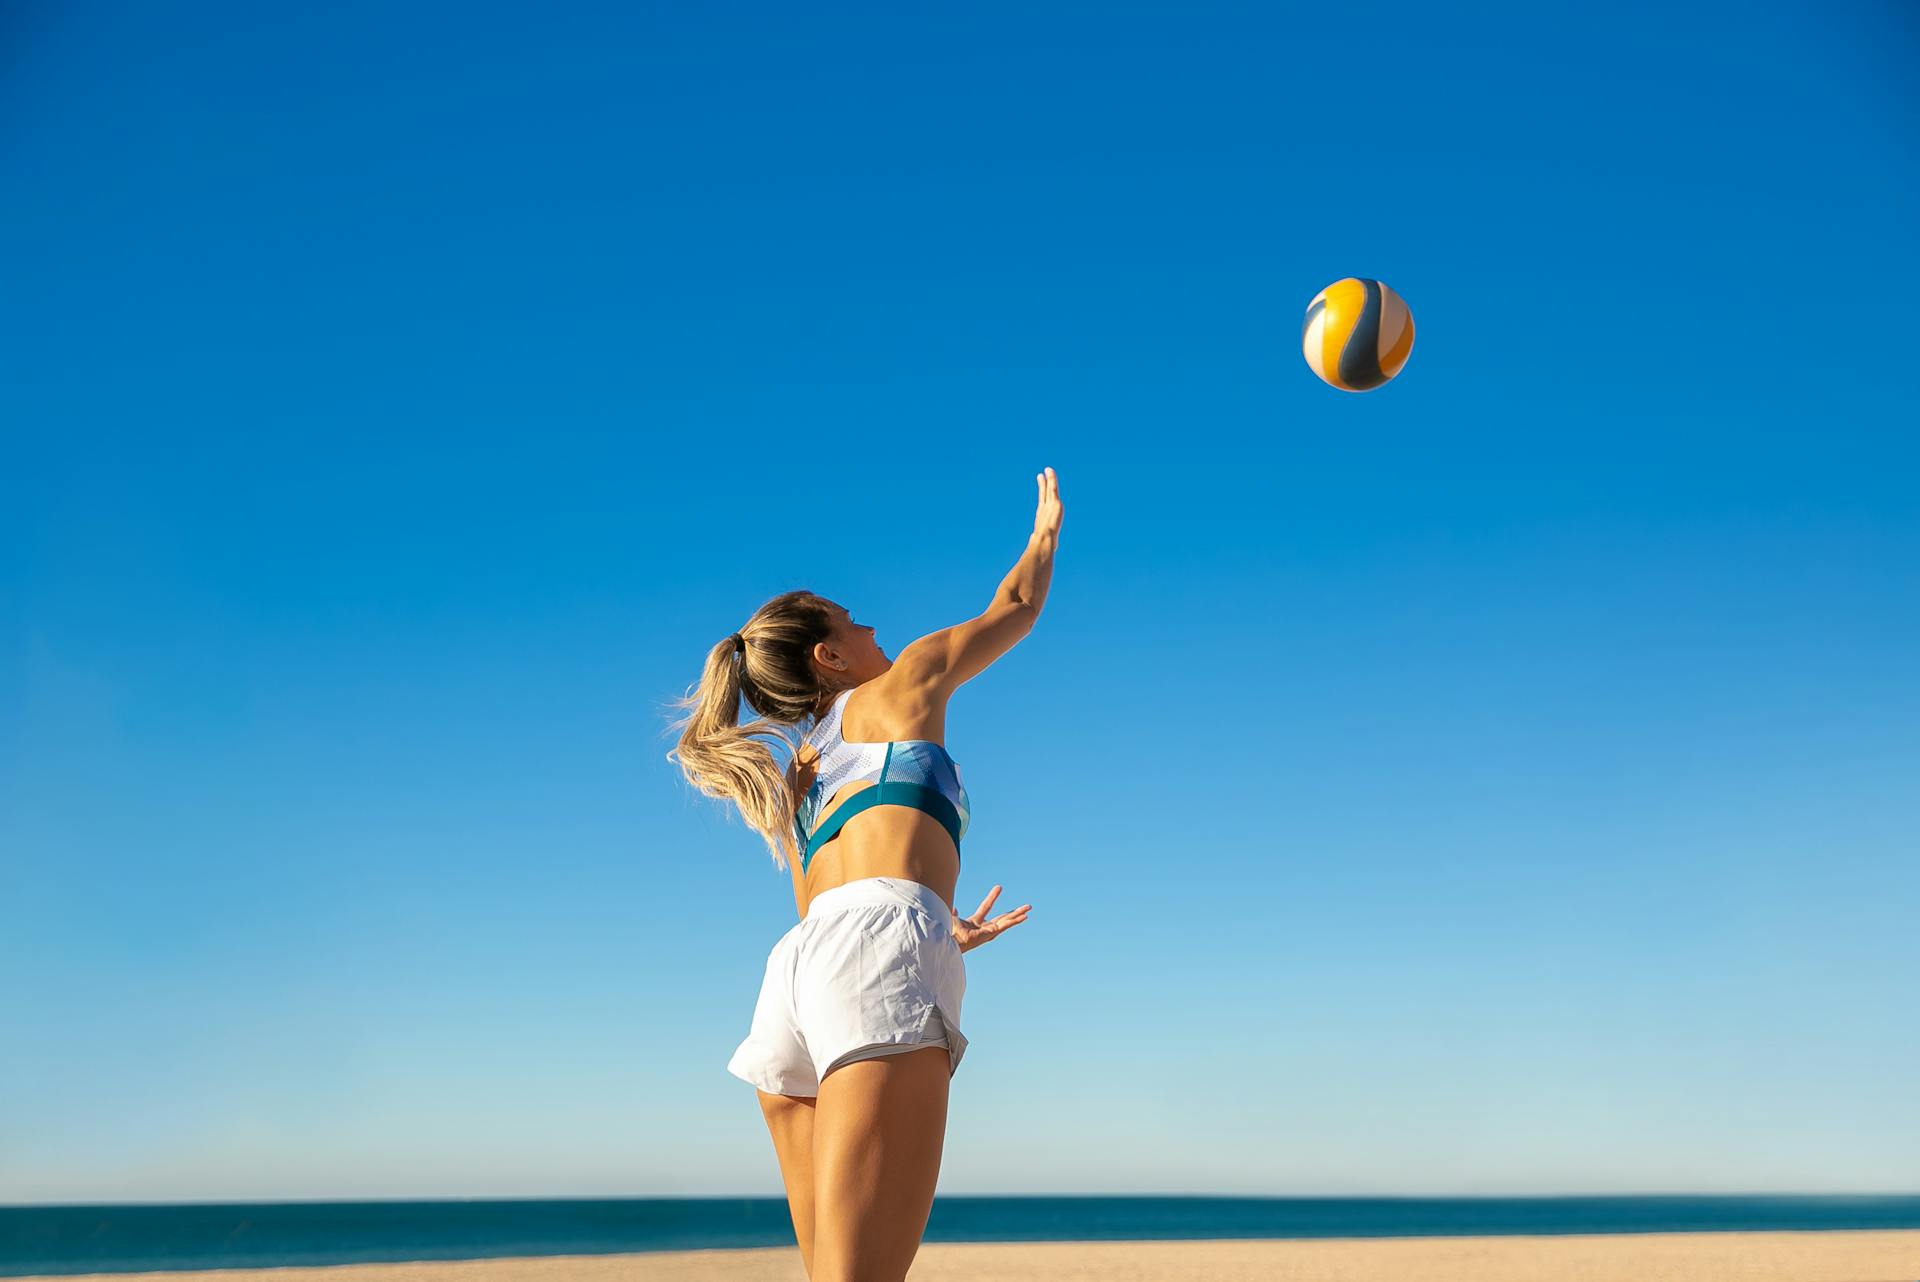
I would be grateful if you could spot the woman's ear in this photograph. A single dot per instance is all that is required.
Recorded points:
(822, 654)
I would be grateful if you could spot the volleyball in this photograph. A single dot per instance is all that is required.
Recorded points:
(1357, 334)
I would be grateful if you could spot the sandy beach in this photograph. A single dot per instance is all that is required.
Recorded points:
(1890, 1256)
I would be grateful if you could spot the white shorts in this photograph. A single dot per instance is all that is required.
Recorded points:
(872, 969)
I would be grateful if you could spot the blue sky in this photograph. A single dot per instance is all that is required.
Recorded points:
(1501, 782)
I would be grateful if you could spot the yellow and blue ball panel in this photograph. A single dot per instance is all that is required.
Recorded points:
(1358, 334)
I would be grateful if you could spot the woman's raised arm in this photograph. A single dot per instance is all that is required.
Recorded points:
(945, 659)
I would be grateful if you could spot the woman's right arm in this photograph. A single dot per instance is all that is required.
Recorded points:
(943, 660)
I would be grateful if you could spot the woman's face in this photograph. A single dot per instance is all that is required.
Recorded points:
(850, 654)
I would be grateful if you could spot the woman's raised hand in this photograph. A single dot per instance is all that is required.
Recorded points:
(1046, 517)
(971, 932)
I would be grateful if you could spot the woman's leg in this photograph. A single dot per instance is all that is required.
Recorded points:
(877, 1136)
(790, 1119)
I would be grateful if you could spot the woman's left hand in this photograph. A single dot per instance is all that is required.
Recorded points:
(971, 932)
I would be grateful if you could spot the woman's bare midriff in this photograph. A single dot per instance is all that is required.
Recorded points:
(885, 841)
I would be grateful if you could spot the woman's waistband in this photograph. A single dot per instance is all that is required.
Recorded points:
(880, 890)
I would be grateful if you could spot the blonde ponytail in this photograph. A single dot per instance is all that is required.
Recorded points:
(768, 668)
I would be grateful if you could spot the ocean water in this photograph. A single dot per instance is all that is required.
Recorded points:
(128, 1238)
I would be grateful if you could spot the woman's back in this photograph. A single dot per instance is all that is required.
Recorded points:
(879, 727)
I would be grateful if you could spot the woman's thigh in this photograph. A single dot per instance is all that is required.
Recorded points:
(790, 1122)
(878, 1129)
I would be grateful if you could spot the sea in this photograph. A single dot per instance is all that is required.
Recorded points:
(146, 1237)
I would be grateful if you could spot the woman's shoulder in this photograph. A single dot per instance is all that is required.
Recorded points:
(892, 710)
(895, 696)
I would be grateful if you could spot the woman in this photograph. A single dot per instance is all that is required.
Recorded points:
(856, 1032)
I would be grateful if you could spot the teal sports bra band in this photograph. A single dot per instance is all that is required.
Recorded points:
(886, 794)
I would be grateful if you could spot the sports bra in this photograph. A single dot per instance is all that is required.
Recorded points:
(906, 772)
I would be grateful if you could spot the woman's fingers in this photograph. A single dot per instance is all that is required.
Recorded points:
(987, 929)
(1048, 515)
(979, 932)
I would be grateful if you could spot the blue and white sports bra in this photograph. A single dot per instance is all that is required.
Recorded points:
(906, 772)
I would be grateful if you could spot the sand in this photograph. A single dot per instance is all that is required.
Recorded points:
(1839, 1256)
